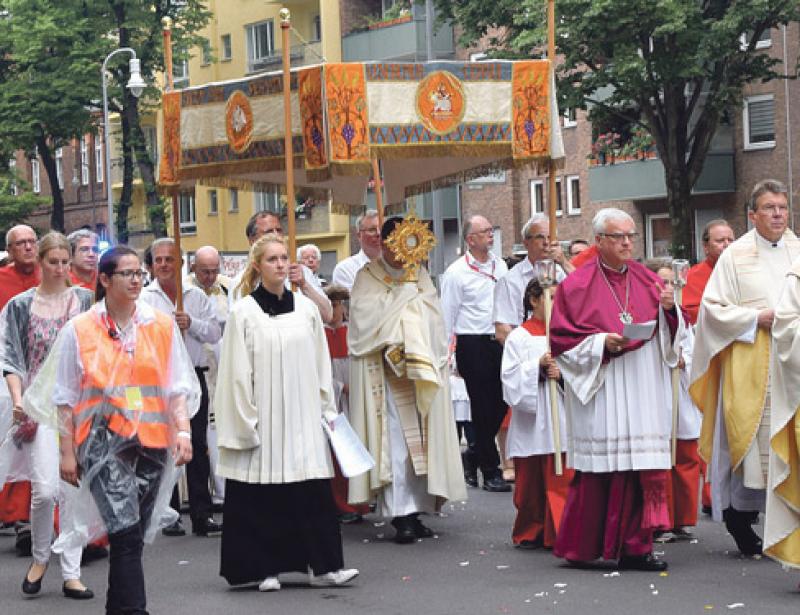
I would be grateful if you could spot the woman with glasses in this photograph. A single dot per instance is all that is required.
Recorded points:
(125, 389)
(29, 325)
(279, 510)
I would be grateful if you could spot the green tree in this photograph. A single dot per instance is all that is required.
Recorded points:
(47, 79)
(680, 64)
(16, 201)
(138, 25)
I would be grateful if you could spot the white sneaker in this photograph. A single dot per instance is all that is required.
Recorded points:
(270, 584)
(340, 577)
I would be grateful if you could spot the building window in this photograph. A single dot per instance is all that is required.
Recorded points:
(84, 162)
(267, 201)
(180, 74)
(559, 205)
(537, 196)
(98, 158)
(206, 55)
(573, 195)
(570, 117)
(151, 142)
(316, 28)
(764, 41)
(12, 171)
(212, 203)
(759, 122)
(187, 216)
(60, 167)
(233, 196)
(36, 181)
(260, 44)
(659, 235)
(227, 48)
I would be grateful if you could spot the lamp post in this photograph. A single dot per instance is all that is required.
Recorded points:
(136, 85)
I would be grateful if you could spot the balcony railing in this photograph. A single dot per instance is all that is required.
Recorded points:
(299, 55)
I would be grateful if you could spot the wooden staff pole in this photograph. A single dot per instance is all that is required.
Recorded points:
(676, 383)
(169, 85)
(548, 293)
(287, 136)
(376, 173)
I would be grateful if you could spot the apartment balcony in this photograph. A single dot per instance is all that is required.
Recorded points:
(299, 55)
(644, 179)
(398, 40)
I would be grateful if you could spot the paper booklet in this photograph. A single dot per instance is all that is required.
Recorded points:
(639, 330)
(353, 457)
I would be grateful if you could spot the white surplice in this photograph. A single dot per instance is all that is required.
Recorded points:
(276, 372)
(617, 410)
(530, 431)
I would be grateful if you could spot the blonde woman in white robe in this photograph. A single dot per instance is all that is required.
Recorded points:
(275, 388)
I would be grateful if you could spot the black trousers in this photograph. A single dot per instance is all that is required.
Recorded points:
(124, 481)
(479, 360)
(198, 470)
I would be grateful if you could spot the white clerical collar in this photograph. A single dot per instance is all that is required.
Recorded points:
(767, 243)
(623, 269)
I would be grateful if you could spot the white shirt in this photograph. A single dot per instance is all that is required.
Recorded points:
(219, 299)
(468, 294)
(204, 328)
(509, 292)
(234, 293)
(344, 274)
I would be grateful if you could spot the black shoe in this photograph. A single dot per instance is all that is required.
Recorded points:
(350, 518)
(530, 545)
(470, 468)
(77, 594)
(405, 533)
(471, 478)
(707, 510)
(647, 563)
(174, 529)
(32, 587)
(22, 545)
(204, 527)
(92, 553)
(739, 525)
(420, 529)
(496, 484)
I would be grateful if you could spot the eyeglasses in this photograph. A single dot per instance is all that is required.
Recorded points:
(127, 274)
(619, 237)
(773, 209)
(486, 231)
(87, 249)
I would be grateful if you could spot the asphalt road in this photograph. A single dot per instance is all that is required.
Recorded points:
(470, 569)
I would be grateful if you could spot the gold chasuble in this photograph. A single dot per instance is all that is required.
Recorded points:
(748, 278)
(782, 525)
(396, 339)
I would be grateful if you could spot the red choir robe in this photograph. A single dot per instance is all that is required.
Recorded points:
(15, 498)
(539, 493)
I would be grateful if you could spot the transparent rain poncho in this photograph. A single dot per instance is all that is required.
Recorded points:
(118, 394)
(29, 324)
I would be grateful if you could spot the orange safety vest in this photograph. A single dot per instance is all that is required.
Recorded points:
(110, 375)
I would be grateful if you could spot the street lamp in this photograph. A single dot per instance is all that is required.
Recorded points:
(136, 85)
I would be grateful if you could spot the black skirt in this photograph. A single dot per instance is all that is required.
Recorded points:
(275, 528)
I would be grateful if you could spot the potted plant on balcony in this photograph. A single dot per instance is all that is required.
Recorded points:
(606, 147)
(643, 143)
(398, 13)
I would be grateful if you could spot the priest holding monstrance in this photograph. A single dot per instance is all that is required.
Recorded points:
(614, 333)
(399, 384)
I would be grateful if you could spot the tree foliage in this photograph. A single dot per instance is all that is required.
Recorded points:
(673, 66)
(48, 78)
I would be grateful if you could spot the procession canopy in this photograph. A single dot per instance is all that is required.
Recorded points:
(430, 124)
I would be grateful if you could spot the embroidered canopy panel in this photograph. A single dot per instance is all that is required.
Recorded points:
(431, 125)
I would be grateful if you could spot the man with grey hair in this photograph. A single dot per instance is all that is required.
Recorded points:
(617, 383)
(467, 306)
(85, 254)
(310, 255)
(369, 238)
(198, 322)
(733, 361)
(508, 292)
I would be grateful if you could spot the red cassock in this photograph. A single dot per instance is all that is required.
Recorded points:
(584, 257)
(337, 346)
(15, 498)
(692, 295)
(539, 493)
(682, 485)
